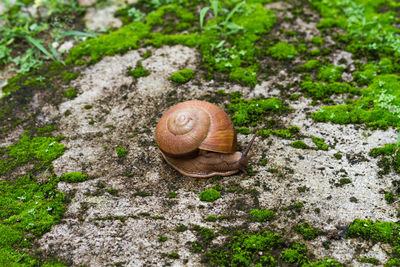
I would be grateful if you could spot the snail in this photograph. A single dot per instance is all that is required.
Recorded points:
(198, 139)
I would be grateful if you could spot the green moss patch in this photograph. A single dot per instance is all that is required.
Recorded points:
(39, 150)
(283, 133)
(26, 207)
(310, 65)
(121, 152)
(73, 177)
(257, 215)
(182, 76)
(385, 232)
(251, 112)
(235, 55)
(283, 51)
(295, 255)
(299, 145)
(319, 142)
(245, 249)
(70, 93)
(308, 232)
(379, 106)
(330, 73)
(320, 91)
(209, 195)
(389, 158)
(139, 71)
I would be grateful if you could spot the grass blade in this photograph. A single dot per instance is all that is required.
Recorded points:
(39, 46)
(234, 10)
(78, 33)
(56, 55)
(202, 15)
(214, 5)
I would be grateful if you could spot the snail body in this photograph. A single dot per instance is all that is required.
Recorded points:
(198, 139)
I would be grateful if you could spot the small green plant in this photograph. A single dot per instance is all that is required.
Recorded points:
(225, 26)
(209, 195)
(283, 51)
(73, 177)
(121, 152)
(308, 232)
(330, 73)
(319, 142)
(211, 218)
(182, 76)
(139, 71)
(295, 255)
(299, 144)
(257, 215)
(337, 155)
(162, 238)
(70, 93)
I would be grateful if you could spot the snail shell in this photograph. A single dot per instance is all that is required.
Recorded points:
(198, 139)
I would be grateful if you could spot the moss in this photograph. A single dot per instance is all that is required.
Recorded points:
(182, 76)
(284, 133)
(257, 215)
(315, 52)
(245, 249)
(251, 112)
(390, 197)
(378, 107)
(209, 195)
(310, 65)
(308, 232)
(172, 255)
(87, 106)
(243, 130)
(171, 195)
(386, 232)
(343, 181)
(364, 77)
(205, 234)
(121, 152)
(26, 207)
(337, 155)
(139, 71)
(319, 142)
(330, 73)
(68, 76)
(120, 41)
(327, 262)
(181, 228)
(296, 207)
(299, 144)
(372, 261)
(245, 75)
(70, 93)
(73, 177)
(283, 51)
(112, 191)
(316, 40)
(390, 158)
(318, 90)
(295, 255)
(211, 218)
(45, 130)
(39, 150)
(162, 238)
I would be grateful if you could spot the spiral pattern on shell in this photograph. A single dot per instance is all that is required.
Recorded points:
(193, 125)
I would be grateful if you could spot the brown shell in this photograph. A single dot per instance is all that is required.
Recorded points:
(205, 127)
